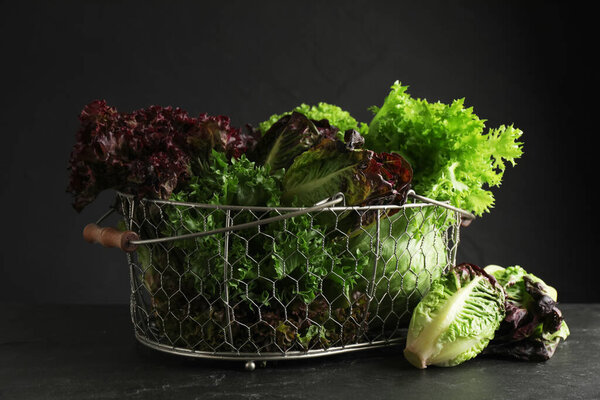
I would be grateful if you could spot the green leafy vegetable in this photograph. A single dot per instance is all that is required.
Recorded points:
(199, 262)
(453, 159)
(275, 270)
(363, 176)
(534, 325)
(234, 182)
(334, 114)
(293, 251)
(457, 318)
(330, 278)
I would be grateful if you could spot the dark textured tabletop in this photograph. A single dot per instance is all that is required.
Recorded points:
(89, 352)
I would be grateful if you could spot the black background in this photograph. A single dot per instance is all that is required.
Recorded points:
(527, 63)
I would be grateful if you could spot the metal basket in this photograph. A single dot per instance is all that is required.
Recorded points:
(264, 283)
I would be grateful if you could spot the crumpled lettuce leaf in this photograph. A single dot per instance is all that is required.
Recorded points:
(363, 176)
(456, 320)
(334, 114)
(453, 159)
(534, 325)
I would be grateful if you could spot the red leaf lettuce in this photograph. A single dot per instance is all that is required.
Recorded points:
(149, 152)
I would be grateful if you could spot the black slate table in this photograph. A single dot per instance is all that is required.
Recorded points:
(89, 352)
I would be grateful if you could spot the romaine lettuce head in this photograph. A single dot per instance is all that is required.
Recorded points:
(534, 325)
(288, 137)
(457, 318)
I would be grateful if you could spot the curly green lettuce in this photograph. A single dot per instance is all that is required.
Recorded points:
(292, 252)
(334, 114)
(276, 273)
(232, 182)
(452, 158)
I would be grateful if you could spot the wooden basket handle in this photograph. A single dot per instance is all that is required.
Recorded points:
(110, 237)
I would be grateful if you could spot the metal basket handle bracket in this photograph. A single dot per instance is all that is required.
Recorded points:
(465, 217)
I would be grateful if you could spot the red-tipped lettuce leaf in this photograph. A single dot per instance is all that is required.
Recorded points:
(364, 176)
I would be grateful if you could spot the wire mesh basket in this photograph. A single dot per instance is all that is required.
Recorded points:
(266, 283)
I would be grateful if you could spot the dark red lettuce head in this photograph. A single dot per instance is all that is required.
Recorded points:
(148, 152)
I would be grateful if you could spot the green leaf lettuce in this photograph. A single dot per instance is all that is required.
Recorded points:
(453, 159)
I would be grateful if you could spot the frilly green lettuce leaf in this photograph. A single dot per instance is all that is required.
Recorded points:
(453, 159)
(235, 182)
(294, 252)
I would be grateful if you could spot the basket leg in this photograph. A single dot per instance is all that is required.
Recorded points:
(251, 365)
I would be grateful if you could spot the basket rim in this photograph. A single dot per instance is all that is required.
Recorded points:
(131, 197)
(286, 212)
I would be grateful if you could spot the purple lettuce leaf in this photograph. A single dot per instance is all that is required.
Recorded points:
(148, 152)
(534, 325)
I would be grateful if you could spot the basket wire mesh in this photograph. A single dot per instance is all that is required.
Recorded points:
(264, 283)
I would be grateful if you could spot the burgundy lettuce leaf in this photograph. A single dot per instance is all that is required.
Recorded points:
(531, 330)
(544, 307)
(216, 132)
(467, 271)
(524, 317)
(391, 176)
(147, 153)
(325, 129)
